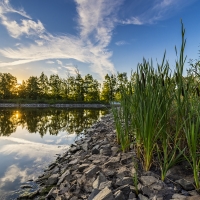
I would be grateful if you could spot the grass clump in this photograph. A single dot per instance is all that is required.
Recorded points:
(159, 113)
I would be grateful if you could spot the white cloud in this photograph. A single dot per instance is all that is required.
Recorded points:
(89, 47)
(59, 62)
(132, 20)
(155, 11)
(50, 62)
(120, 43)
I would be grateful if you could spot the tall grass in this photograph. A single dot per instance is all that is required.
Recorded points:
(158, 115)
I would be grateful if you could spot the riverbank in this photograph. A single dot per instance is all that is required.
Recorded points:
(32, 105)
(95, 168)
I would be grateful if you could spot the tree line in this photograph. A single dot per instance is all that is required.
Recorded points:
(72, 88)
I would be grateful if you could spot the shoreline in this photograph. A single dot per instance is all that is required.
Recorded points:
(95, 168)
(28, 105)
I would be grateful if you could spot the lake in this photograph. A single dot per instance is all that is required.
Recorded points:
(31, 138)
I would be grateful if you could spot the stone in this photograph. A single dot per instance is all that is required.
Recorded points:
(93, 194)
(84, 146)
(114, 150)
(63, 176)
(73, 162)
(82, 167)
(122, 172)
(101, 178)
(126, 159)
(53, 179)
(95, 151)
(105, 194)
(127, 180)
(187, 185)
(105, 184)
(52, 193)
(112, 162)
(125, 189)
(148, 180)
(179, 196)
(142, 197)
(132, 195)
(93, 169)
(119, 195)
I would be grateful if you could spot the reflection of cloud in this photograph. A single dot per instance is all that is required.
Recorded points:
(32, 150)
(49, 141)
(12, 173)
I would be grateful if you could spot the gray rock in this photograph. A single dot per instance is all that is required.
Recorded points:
(187, 185)
(112, 162)
(127, 180)
(105, 194)
(53, 179)
(101, 178)
(84, 146)
(178, 196)
(105, 184)
(91, 171)
(95, 151)
(119, 195)
(127, 158)
(93, 194)
(82, 167)
(63, 176)
(148, 180)
(142, 197)
(52, 193)
(131, 195)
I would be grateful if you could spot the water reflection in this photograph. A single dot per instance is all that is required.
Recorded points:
(47, 120)
(31, 138)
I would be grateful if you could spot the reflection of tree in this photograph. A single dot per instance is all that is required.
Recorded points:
(48, 120)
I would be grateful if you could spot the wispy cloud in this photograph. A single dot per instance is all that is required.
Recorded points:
(155, 11)
(50, 62)
(120, 43)
(89, 47)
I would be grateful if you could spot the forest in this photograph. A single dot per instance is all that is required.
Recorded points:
(54, 89)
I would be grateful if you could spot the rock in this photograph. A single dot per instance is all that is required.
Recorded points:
(105, 194)
(119, 195)
(122, 172)
(127, 180)
(132, 195)
(179, 196)
(25, 186)
(93, 194)
(93, 169)
(73, 162)
(53, 179)
(187, 185)
(126, 159)
(52, 193)
(84, 146)
(82, 167)
(105, 184)
(63, 176)
(106, 151)
(114, 150)
(148, 180)
(101, 178)
(142, 197)
(95, 151)
(125, 189)
(112, 162)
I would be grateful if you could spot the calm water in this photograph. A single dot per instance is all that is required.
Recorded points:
(31, 138)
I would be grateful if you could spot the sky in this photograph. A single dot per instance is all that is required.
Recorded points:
(93, 36)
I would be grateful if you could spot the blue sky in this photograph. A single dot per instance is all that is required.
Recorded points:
(97, 36)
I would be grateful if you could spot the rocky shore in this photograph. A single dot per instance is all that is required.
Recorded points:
(94, 168)
(33, 105)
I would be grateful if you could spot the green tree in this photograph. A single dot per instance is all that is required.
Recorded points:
(91, 88)
(109, 88)
(43, 85)
(8, 86)
(32, 88)
(55, 84)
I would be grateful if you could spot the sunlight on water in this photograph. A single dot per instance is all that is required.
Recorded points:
(30, 140)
